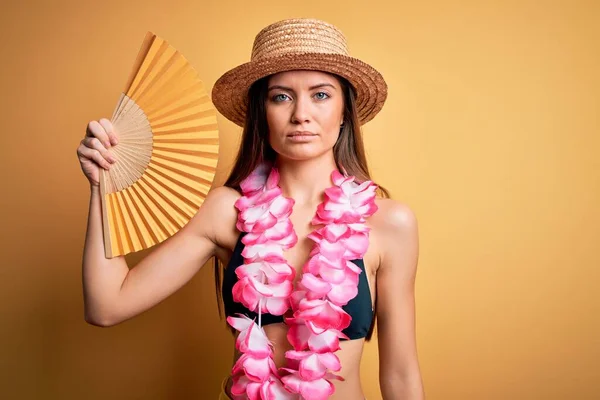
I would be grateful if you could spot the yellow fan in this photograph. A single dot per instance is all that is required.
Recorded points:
(167, 152)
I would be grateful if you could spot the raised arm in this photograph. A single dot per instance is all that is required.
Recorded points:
(114, 293)
(399, 373)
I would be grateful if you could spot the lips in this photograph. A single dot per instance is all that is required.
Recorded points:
(302, 133)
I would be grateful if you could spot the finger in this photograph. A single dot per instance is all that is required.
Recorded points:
(85, 154)
(110, 130)
(95, 129)
(94, 143)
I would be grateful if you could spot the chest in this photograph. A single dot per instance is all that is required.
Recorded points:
(298, 255)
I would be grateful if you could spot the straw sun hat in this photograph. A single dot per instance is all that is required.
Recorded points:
(300, 43)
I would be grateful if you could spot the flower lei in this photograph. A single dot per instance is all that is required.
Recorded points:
(329, 281)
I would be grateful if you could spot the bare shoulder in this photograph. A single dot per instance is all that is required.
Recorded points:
(219, 209)
(393, 214)
(222, 199)
(394, 226)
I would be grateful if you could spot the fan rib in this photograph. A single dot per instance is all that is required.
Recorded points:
(139, 218)
(139, 60)
(153, 87)
(116, 218)
(153, 167)
(154, 53)
(155, 210)
(191, 117)
(126, 221)
(135, 235)
(195, 103)
(199, 167)
(149, 219)
(192, 190)
(212, 156)
(187, 211)
(169, 215)
(188, 129)
(186, 85)
(163, 215)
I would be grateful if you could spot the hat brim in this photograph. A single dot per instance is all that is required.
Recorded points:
(230, 90)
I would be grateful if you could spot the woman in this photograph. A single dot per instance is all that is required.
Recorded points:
(312, 256)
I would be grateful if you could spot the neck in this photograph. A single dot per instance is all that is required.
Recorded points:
(306, 180)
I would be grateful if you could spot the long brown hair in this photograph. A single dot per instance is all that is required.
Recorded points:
(348, 151)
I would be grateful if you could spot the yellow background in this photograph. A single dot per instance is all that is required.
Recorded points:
(490, 133)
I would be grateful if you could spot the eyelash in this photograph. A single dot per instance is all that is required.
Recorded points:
(274, 98)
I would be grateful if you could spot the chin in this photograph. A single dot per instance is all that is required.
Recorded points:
(301, 154)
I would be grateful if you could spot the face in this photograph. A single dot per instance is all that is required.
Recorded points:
(304, 112)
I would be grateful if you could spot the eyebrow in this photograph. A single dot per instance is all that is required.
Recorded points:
(310, 88)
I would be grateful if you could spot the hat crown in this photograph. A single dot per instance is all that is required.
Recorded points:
(299, 44)
(298, 36)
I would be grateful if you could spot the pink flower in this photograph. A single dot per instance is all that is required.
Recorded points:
(273, 389)
(340, 293)
(350, 245)
(257, 179)
(315, 285)
(256, 219)
(243, 388)
(356, 246)
(274, 272)
(334, 232)
(282, 232)
(331, 270)
(328, 341)
(321, 315)
(297, 296)
(300, 336)
(318, 389)
(330, 250)
(256, 369)
(254, 374)
(249, 291)
(243, 292)
(258, 251)
(348, 202)
(314, 365)
(256, 199)
(262, 209)
(252, 339)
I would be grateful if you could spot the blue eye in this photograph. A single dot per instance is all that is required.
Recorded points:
(277, 98)
(322, 98)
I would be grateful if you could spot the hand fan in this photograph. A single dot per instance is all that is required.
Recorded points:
(167, 152)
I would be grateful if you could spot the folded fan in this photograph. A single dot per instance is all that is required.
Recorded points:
(167, 152)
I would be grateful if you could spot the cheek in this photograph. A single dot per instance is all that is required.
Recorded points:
(332, 117)
(331, 124)
(274, 119)
(332, 137)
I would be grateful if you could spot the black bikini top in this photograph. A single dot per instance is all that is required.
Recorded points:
(359, 308)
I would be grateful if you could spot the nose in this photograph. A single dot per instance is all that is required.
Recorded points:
(301, 110)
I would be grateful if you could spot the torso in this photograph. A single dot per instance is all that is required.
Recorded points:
(351, 350)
